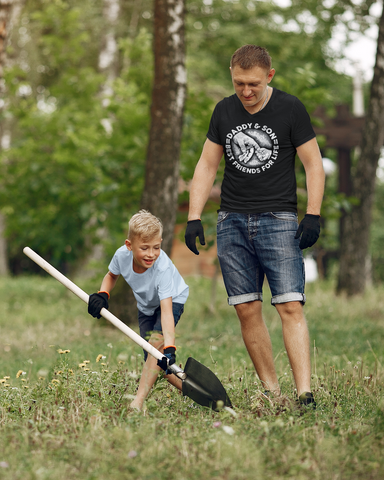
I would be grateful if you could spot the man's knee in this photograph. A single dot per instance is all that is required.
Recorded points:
(290, 308)
(249, 311)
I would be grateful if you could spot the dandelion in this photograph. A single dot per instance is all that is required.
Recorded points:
(19, 373)
(99, 357)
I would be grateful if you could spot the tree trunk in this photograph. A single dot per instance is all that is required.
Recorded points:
(355, 240)
(9, 12)
(168, 98)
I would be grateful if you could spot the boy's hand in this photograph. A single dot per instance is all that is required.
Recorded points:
(168, 359)
(96, 302)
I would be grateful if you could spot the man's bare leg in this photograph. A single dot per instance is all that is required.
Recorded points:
(258, 343)
(296, 340)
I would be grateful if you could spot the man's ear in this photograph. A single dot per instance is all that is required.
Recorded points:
(271, 74)
(128, 244)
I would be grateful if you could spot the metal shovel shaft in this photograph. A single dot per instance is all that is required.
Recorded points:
(104, 312)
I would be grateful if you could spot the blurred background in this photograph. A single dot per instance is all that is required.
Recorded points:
(86, 140)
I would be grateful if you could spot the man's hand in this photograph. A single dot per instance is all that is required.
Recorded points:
(309, 229)
(168, 359)
(194, 229)
(96, 302)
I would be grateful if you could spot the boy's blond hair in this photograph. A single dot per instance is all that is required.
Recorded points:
(145, 226)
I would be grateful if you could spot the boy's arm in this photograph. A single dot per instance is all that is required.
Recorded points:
(167, 322)
(108, 283)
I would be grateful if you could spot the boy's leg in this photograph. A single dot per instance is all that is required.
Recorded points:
(296, 340)
(150, 373)
(258, 343)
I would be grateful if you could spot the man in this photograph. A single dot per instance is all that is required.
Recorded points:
(259, 130)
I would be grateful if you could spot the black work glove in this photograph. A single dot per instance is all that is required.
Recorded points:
(96, 302)
(194, 229)
(168, 359)
(309, 229)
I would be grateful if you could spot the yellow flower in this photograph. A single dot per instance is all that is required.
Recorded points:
(99, 357)
(2, 380)
(70, 371)
(121, 362)
(55, 381)
(105, 371)
(86, 369)
(67, 351)
(86, 361)
(23, 380)
(81, 365)
(103, 364)
(6, 377)
(25, 386)
(59, 372)
(7, 385)
(19, 373)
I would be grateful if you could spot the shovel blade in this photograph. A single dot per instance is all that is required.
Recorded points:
(202, 386)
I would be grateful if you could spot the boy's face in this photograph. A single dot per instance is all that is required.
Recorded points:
(145, 253)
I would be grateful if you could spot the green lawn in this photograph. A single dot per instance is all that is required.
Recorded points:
(62, 421)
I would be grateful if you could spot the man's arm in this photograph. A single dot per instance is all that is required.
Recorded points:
(310, 156)
(203, 178)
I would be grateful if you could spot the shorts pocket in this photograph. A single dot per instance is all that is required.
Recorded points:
(285, 216)
(222, 216)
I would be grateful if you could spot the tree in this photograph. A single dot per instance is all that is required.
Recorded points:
(355, 242)
(168, 97)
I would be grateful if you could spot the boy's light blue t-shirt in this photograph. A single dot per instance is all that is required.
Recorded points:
(160, 281)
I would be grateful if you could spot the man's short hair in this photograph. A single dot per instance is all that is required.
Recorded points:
(144, 225)
(249, 56)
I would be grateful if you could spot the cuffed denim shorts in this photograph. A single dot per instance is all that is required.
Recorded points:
(152, 323)
(250, 246)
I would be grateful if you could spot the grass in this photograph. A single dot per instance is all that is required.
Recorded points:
(59, 420)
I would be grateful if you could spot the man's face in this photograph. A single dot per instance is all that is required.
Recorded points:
(251, 86)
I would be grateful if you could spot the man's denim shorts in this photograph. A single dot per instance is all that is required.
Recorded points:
(152, 323)
(250, 246)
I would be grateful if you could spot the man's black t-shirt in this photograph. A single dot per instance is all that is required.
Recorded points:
(259, 152)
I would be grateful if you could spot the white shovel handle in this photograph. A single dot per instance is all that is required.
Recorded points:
(104, 312)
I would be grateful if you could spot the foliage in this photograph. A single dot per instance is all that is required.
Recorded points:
(63, 413)
(76, 165)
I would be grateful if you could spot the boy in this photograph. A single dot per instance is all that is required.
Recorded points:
(160, 292)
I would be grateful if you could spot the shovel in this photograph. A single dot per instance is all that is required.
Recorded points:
(198, 382)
